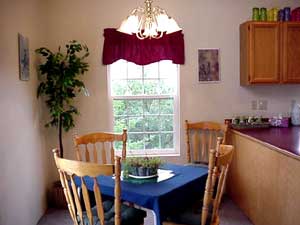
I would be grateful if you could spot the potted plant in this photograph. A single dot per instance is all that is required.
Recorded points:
(142, 166)
(60, 74)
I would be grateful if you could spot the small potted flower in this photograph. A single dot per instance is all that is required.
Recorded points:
(142, 166)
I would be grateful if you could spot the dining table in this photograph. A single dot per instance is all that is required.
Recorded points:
(164, 196)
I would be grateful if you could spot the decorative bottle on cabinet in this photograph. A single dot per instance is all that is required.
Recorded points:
(295, 114)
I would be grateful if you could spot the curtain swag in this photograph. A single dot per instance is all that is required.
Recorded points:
(118, 45)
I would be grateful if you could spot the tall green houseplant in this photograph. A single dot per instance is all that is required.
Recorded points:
(60, 74)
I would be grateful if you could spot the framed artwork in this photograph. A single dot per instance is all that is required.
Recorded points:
(208, 63)
(23, 57)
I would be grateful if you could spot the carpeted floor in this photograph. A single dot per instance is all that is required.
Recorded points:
(230, 214)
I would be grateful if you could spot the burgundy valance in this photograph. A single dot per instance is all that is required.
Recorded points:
(118, 45)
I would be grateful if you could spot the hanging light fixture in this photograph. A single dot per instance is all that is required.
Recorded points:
(149, 22)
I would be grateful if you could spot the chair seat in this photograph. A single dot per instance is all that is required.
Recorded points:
(188, 217)
(129, 215)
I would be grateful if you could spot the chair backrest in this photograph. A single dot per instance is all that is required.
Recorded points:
(201, 137)
(219, 161)
(69, 170)
(87, 146)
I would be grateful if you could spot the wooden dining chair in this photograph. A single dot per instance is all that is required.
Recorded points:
(200, 138)
(219, 161)
(90, 146)
(104, 212)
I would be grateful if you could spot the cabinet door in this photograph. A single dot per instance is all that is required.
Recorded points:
(264, 53)
(291, 52)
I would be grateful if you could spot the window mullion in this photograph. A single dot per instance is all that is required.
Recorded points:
(127, 118)
(137, 97)
(143, 81)
(159, 108)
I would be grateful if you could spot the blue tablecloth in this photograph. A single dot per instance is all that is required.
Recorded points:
(164, 197)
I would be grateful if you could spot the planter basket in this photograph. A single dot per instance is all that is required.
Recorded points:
(57, 196)
(142, 171)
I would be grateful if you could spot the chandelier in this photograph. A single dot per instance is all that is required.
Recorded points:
(149, 22)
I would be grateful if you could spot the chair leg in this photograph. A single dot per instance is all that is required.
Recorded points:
(217, 221)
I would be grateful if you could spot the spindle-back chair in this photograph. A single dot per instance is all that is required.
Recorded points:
(200, 138)
(96, 147)
(73, 175)
(219, 161)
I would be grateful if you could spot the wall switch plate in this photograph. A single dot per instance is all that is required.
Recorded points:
(262, 104)
(254, 105)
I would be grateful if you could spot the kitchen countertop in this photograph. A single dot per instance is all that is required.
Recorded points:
(285, 140)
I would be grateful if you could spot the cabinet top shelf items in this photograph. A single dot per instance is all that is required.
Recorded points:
(269, 52)
(270, 22)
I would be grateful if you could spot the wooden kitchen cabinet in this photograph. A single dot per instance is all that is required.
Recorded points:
(263, 178)
(291, 52)
(269, 53)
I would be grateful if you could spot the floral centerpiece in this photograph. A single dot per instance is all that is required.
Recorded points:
(141, 166)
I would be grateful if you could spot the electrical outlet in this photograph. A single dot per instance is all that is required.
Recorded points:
(262, 104)
(254, 105)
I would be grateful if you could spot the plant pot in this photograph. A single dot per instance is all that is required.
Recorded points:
(142, 171)
(142, 166)
(152, 171)
(57, 196)
(133, 171)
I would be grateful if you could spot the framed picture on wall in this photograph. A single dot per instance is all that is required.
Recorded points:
(23, 57)
(208, 65)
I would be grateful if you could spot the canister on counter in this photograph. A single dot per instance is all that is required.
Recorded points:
(255, 14)
(287, 14)
(263, 14)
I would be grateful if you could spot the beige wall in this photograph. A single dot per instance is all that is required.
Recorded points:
(206, 24)
(23, 158)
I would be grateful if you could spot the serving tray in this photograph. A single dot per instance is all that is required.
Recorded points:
(250, 126)
(142, 177)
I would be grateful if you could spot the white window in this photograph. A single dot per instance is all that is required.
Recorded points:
(145, 102)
